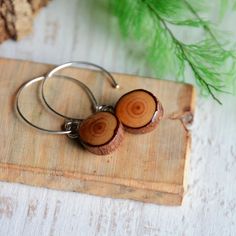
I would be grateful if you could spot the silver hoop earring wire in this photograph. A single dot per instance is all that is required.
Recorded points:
(25, 85)
(69, 123)
(96, 107)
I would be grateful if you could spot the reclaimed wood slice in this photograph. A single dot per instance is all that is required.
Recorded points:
(152, 168)
(139, 111)
(101, 133)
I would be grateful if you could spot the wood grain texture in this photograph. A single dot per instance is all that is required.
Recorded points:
(101, 133)
(79, 31)
(139, 111)
(148, 167)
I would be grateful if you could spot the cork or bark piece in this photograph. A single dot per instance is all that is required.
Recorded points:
(4, 35)
(37, 4)
(16, 17)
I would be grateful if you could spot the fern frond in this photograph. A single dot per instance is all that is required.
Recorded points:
(146, 22)
(176, 12)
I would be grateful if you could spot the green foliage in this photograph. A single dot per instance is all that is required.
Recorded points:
(148, 24)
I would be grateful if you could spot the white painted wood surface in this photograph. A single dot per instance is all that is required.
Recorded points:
(65, 31)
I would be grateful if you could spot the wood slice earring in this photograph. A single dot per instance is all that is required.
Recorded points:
(139, 111)
(102, 132)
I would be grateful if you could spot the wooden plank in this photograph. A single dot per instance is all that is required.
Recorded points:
(149, 167)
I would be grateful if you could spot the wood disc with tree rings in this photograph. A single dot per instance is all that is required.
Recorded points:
(101, 133)
(139, 111)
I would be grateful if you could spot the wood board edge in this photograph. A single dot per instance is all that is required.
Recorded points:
(2, 60)
(99, 188)
(130, 183)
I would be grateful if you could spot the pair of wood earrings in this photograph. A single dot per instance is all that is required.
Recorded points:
(137, 111)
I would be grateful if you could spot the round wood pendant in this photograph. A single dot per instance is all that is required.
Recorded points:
(139, 111)
(101, 133)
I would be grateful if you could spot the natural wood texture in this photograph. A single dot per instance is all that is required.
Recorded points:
(101, 133)
(147, 167)
(16, 17)
(139, 111)
(209, 203)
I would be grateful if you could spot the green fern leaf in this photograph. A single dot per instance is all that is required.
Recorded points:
(145, 23)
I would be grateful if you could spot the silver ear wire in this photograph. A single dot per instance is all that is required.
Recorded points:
(95, 105)
(23, 86)
(70, 122)
(82, 85)
(78, 63)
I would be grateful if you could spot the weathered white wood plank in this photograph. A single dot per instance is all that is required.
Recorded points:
(64, 32)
